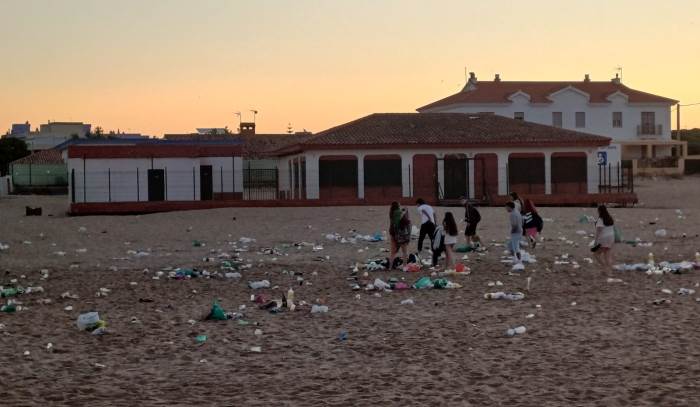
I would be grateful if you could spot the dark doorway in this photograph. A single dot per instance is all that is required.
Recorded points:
(526, 173)
(156, 185)
(455, 178)
(425, 176)
(569, 173)
(206, 183)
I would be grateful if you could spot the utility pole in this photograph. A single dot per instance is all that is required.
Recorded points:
(255, 112)
(678, 121)
(239, 121)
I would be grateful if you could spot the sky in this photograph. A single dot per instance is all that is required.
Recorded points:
(171, 66)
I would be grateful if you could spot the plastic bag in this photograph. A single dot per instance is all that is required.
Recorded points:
(440, 283)
(618, 234)
(88, 320)
(423, 282)
(217, 313)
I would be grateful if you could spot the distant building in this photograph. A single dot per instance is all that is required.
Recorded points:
(639, 123)
(51, 134)
(19, 129)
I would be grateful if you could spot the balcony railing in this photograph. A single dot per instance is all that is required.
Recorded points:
(650, 130)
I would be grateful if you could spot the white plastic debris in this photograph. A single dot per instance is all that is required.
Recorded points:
(518, 330)
(686, 291)
(660, 233)
(319, 309)
(408, 301)
(256, 349)
(500, 295)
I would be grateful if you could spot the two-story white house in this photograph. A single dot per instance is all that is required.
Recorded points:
(638, 122)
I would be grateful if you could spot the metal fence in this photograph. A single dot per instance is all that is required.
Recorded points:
(164, 184)
(615, 178)
(39, 175)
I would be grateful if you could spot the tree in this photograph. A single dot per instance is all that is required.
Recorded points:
(11, 149)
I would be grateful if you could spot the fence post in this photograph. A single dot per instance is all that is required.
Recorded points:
(221, 181)
(165, 182)
(194, 186)
(109, 184)
(138, 189)
(72, 185)
(84, 183)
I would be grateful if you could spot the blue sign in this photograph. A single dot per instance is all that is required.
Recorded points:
(602, 158)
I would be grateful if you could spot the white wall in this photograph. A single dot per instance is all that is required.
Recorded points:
(118, 177)
(598, 116)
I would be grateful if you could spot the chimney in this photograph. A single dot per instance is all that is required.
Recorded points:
(497, 78)
(247, 129)
(587, 78)
(471, 83)
(616, 79)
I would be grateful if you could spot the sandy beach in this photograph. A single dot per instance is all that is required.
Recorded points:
(588, 341)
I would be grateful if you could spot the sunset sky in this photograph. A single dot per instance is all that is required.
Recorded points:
(170, 66)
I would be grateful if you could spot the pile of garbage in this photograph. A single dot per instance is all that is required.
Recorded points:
(664, 267)
(394, 284)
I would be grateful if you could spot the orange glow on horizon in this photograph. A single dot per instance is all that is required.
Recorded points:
(170, 67)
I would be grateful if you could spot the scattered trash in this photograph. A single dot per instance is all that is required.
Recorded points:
(258, 332)
(4, 246)
(661, 301)
(614, 280)
(343, 336)
(319, 309)
(256, 349)
(408, 301)
(686, 291)
(660, 233)
(423, 282)
(217, 313)
(91, 321)
(201, 339)
(500, 295)
(259, 284)
(518, 330)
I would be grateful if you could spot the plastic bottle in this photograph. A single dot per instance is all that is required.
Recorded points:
(650, 259)
(290, 299)
(259, 284)
(319, 309)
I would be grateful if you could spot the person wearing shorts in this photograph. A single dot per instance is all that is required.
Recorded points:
(516, 231)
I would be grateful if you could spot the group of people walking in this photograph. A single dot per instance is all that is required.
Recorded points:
(524, 222)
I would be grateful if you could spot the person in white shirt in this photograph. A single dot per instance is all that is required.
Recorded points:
(427, 223)
(604, 237)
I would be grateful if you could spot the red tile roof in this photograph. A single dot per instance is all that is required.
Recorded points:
(430, 130)
(498, 92)
(41, 157)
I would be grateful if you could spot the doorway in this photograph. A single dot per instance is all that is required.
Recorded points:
(156, 185)
(456, 177)
(206, 183)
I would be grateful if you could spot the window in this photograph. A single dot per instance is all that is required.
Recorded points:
(557, 120)
(519, 115)
(580, 119)
(617, 119)
(648, 123)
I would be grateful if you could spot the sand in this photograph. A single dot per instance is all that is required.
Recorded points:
(590, 342)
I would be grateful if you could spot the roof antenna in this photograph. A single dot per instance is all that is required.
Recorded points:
(619, 69)
(255, 112)
(239, 120)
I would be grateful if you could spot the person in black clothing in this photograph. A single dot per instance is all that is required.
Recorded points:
(427, 225)
(472, 217)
